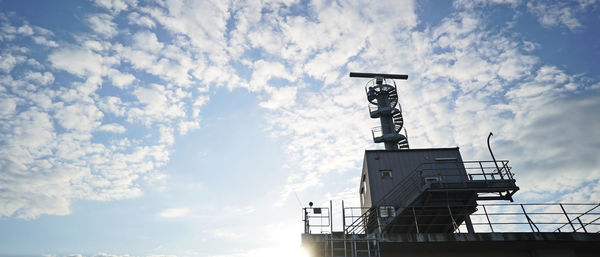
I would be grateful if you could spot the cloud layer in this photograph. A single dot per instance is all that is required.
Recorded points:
(91, 117)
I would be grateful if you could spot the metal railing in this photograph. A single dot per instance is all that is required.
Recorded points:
(317, 220)
(475, 170)
(374, 108)
(356, 219)
(531, 217)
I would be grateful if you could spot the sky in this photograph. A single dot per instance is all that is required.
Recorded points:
(200, 128)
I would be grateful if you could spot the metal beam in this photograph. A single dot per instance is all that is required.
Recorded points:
(375, 75)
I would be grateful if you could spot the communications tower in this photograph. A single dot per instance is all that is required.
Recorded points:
(383, 104)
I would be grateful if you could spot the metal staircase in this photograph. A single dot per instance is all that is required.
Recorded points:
(441, 205)
(383, 99)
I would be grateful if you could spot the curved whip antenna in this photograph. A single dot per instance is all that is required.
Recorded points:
(490, 148)
(383, 99)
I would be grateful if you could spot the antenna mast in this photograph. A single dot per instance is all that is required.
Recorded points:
(383, 99)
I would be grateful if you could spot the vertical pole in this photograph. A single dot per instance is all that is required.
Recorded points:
(527, 217)
(454, 225)
(568, 219)
(531, 224)
(415, 216)
(306, 224)
(343, 218)
(469, 225)
(332, 244)
(482, 171)
(344, 228)
(582, 226)
(488, 219)
(330, 217)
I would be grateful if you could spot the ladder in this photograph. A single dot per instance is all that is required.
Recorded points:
(351, 246)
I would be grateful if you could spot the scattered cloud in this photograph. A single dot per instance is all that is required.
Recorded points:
(466, 79)
(115, 6)
(552, 14)
(174, 212)
(113, 128)
(102, 24)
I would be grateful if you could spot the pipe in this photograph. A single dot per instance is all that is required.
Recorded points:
(493, 158)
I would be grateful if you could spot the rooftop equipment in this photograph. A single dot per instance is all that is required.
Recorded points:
(383, 99)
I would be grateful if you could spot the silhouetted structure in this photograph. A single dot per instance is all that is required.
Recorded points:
(420, 202)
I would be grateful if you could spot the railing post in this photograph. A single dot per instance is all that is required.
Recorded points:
(566, 215)
(330, 217)
(343, 218)
(469, 225)
(488, 218)
(415, 217)
(482, 171)
(582, 226)
(454, 225)
(529, 221)
(306, 224)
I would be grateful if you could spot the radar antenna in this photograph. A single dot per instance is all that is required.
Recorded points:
(383, 99)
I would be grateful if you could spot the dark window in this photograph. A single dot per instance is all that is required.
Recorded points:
(385, 173)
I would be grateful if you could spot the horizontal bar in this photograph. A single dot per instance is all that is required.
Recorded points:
(374, 75)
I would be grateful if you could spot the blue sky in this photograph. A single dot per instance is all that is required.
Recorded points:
(196, 128)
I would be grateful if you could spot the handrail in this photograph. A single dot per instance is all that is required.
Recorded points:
(544, 217)
(355, 225)
(578, 218)
(410, 178)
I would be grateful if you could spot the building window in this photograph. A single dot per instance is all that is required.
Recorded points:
(387, 211)
(385, 173)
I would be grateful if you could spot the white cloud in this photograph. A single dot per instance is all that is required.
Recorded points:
(263, 71)
(40, 40)
(166, 135)
(77, 61)
(112, 104)
(555, 14)
(7, 107)
(280, 97)
(223, 234)
(9, 61)
(113, 128)
(65, 162)
(80, 117)
(147, 40)
(137, 19)
(120, 79)
(40, 78)
(25, 30)
(115, 6)
(102, 24)
(174, 212)
(186, 126)
(158, 104)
